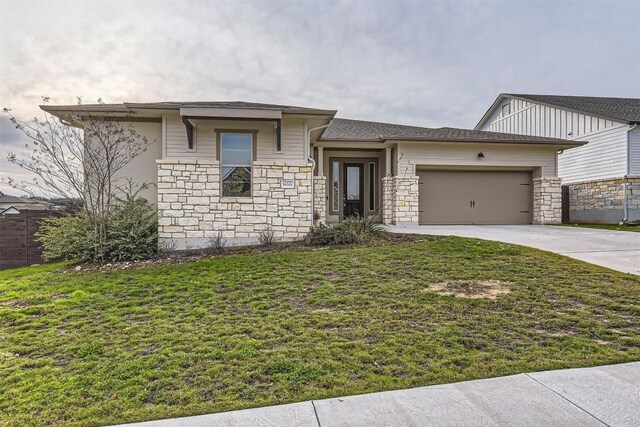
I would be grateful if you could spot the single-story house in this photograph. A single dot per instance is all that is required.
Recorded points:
(239, 168)
(602, 177)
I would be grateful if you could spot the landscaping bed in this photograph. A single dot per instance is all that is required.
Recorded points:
(261, 327)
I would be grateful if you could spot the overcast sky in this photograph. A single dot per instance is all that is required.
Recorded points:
(423, 63)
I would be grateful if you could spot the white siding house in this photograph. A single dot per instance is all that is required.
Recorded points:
(602, 176)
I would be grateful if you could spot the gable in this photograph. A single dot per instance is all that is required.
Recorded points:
(532, 118)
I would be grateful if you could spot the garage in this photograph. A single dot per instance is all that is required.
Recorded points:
(475, 197)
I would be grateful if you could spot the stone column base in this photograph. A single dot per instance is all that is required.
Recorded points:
(320, 199)
(547, 200)
(400, 200)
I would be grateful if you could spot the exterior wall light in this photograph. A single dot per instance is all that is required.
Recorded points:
(480, 156)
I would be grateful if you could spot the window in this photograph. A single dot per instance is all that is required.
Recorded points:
(236, 154)
(372, 186)
(335, 185)
(506, 110)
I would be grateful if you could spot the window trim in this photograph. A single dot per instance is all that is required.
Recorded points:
(219, 133)
(372, 186)
(508, 105)
(277, 146)
(333, 200)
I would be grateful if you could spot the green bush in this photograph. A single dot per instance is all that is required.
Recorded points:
(350, 231)
(132, 234)
(69, 237)
(132, 231)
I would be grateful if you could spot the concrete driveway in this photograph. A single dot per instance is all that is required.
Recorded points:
(617, 250)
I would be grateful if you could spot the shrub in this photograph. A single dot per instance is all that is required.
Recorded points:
(350, 231)
(267, 237)
(132, 231)
(132, 234)
(217, 242)
(69, 237)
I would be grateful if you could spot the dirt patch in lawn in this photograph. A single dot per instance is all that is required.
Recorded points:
(490, 289)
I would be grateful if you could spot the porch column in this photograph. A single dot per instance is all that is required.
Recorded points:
(387, 159)
(320, 161)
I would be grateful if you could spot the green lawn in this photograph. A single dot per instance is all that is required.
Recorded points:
(624, 227)
(254, 329)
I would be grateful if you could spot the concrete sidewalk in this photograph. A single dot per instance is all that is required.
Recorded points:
(617, 250)
(605, 395)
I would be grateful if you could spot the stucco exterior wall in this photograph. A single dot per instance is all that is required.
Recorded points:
(192, 210)
(142, 168)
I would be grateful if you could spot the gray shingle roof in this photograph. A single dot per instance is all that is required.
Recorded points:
(346, 129)
(127, 107)
(621, 109)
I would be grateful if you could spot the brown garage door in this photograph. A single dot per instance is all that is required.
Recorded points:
(474, 197)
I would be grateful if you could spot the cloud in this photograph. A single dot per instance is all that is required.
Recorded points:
(425, 63)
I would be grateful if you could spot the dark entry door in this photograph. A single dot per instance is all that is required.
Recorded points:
(353, 190)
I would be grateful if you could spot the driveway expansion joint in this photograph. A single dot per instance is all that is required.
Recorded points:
(568, 400)
(315, 411)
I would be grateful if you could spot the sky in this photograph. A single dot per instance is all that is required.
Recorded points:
(423, 63)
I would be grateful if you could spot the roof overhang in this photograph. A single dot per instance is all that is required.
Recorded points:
(231, 113)
(541, 143)
(393, 140)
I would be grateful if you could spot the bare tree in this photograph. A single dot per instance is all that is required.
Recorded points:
(77, 156)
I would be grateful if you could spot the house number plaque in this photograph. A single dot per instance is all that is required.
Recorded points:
(287, 183)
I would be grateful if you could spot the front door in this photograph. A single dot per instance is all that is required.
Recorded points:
(353, 190)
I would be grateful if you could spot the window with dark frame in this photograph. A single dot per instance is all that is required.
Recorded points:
(506, 110)
(372, 186)
(236, 155)
(335, 185)
(278, 129)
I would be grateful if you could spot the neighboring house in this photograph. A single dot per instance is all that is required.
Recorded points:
(238, 168)
(22, 203)
(603, 177)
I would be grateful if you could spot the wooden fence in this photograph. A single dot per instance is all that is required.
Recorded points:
(17, 243)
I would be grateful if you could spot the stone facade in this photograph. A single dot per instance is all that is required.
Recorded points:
(400, 200)
(602, 201)
(388, 200)
(320, 198)
(547, 200)
(192, 210)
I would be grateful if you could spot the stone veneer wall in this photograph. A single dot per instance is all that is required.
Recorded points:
(547, 200)
(602, 201)
(388, 200)
(191, 209)
(320, 197)
(400, 200)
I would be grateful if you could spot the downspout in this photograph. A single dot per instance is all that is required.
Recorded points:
(625, 179)
(309, 155)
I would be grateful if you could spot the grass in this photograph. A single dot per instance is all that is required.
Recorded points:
(623, 227)
(246, 330)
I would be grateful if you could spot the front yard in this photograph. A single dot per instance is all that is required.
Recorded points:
(255, 329)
